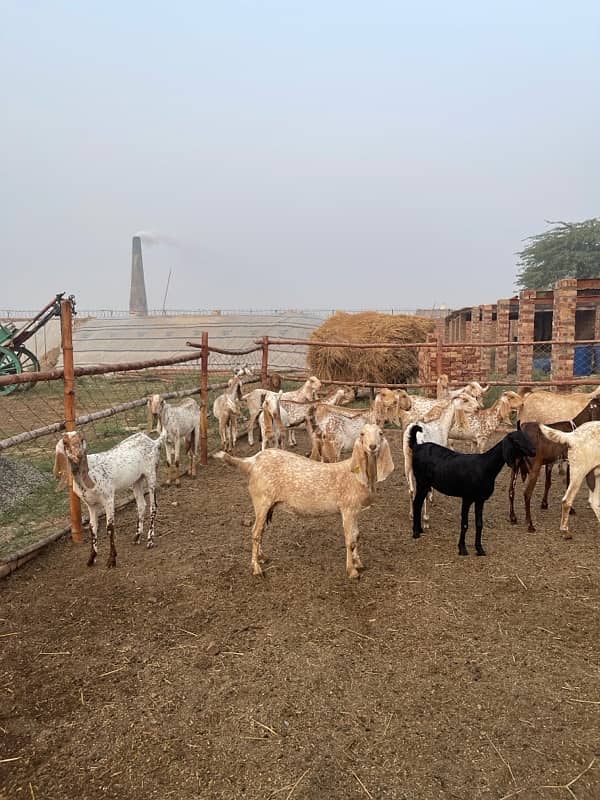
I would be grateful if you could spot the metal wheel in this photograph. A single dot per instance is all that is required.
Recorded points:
(29, 363)
(9, 365)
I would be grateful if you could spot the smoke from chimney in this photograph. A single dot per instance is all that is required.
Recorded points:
(138, 304)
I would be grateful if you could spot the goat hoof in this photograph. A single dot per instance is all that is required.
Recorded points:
(91, 561)
(111, 563)
(567, 535)
(354, 573)
(531, 528)
(178, 483)
(544, 505)
(481, 552)
(257, 571)
(463, 551)
(416, 534)
(149, 544)
(168, 481)
(514, 521)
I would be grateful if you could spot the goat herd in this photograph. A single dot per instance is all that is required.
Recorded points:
(551, 427)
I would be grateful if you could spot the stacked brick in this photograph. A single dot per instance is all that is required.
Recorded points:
(563, 327)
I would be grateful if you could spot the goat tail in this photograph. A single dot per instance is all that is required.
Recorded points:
(559, 437)
(412, 435)
(243, 464)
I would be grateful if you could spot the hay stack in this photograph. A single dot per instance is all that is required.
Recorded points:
(370, 366)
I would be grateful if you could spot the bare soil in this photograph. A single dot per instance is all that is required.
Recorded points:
(179, 675)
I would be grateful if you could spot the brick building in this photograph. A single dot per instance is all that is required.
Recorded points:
(568, 313)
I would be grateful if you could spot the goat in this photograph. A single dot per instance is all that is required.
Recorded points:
(98, 477)
(583, 445)
(180, 422)
(256, 397)
(334, 430)
(547, 453)
(278, 477)
(482, 423)
(549, 407)
(435, 428)
(423, 405)
(272, 421)
(296, 405)
(227, 409)
(469, 476)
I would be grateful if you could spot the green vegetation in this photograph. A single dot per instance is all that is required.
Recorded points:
(567, 250)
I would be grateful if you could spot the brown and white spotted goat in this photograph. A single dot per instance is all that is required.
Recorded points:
(311, 488)
(98, 477)
(180, 422)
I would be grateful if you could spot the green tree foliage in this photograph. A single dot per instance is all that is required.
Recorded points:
(567, 250)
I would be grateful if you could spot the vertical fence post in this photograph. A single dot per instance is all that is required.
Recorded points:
(204, 400)
(66, 331)
(265, 362)
(439, 356)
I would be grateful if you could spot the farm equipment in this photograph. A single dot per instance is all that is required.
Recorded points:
(14, 356)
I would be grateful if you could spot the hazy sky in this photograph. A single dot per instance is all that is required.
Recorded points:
(304, 154)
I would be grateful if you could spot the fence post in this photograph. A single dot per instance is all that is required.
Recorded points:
(204, 400)
(439, 357)
(66, 332)
(265, 362)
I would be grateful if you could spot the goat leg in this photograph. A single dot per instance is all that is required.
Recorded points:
(418, 501)
(94, 532)
(464, 526)
(479, 527)
(112, 556)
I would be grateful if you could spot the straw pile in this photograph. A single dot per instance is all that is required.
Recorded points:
(370, 366)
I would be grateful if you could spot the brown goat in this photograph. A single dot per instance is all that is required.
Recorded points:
(547, 453)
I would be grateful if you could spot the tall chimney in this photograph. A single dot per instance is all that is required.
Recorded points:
(138, 305)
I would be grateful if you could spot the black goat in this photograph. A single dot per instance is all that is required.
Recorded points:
(470, 476)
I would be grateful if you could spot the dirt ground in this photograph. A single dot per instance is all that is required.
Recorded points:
(179, 675)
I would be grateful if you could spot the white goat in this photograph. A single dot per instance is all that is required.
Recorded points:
(272, 421)
(227, 408)
(180, 422)
(296, 408)
(307, 487)
(435, 428)
(334, 430)
(98, 477)
(584, 458)
(296, 405)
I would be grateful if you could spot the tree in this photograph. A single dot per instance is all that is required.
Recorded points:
(567, 250)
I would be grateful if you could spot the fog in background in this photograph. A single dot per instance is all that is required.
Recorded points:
(295, 154)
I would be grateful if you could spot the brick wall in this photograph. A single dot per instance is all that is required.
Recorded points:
(563, 327)
(525, 334)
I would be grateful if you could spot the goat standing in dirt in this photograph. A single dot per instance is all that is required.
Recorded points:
(305, 487)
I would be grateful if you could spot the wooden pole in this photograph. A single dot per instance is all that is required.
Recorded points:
(204, 400)
(66, 327)
(264, 377)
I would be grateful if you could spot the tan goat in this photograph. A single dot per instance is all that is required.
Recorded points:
(305, 487)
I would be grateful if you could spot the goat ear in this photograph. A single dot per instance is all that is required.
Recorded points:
(358, 463)
(60, 470)
(433, 414)
(508, 451)
(385, 465)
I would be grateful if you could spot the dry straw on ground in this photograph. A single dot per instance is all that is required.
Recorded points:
(371, 365)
